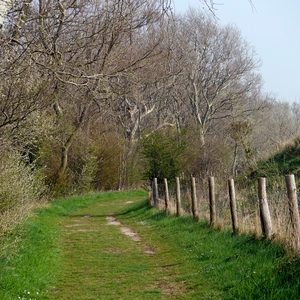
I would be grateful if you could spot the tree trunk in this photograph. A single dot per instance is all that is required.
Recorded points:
(202, 137)
(66, 147)
(234, 160)
(64, 157)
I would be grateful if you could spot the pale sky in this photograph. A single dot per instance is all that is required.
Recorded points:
(273, 30)
(4, 5)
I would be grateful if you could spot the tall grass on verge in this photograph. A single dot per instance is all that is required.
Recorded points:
(247, 204)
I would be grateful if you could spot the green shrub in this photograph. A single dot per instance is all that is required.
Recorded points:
(163, 153)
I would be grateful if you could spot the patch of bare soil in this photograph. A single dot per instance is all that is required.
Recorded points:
(133, 235)
(114, 251)
(130, 233)
(112, 221)
(171, 288)
(73, 225)
(149, 250)
(83, 230)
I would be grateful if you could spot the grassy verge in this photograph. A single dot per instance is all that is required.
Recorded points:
(68, 251)
(214, 264)
(30, 256)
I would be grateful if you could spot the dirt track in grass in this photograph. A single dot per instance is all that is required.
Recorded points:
(104, 258)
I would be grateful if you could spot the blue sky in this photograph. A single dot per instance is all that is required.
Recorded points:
(273, 29)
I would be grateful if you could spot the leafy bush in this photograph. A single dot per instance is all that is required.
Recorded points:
(163, 153)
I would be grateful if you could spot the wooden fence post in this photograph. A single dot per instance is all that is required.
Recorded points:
(233, 208)
(167, 198)
(194, 197)
(212, 200)
(178, 197)
(293, 208)
(265, 216)
(151, 192)
(155, 187)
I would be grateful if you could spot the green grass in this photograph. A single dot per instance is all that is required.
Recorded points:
(68, 251)
(219, 265)
(284, 162)
(31, 255)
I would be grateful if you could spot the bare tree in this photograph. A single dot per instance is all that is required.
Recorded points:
(219, 78)
(24, 89)
(278, 126)
(212, 5)
(85, 49)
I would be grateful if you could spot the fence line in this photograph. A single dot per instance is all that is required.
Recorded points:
(252, 213)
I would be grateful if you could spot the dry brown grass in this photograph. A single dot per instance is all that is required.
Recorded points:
(249, 221)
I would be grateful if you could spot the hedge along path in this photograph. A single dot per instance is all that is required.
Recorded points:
(103, 258)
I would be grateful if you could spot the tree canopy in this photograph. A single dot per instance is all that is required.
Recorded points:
(90, 89)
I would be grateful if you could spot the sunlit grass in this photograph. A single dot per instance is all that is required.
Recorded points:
(218, 265)
(30, 256)
(68, 251)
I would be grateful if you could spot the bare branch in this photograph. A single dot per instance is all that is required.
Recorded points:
(212, 5)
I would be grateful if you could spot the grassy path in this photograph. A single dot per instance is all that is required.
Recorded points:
(77, 249)
(101, 262)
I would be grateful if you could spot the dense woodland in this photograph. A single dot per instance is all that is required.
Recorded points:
(106, 94)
